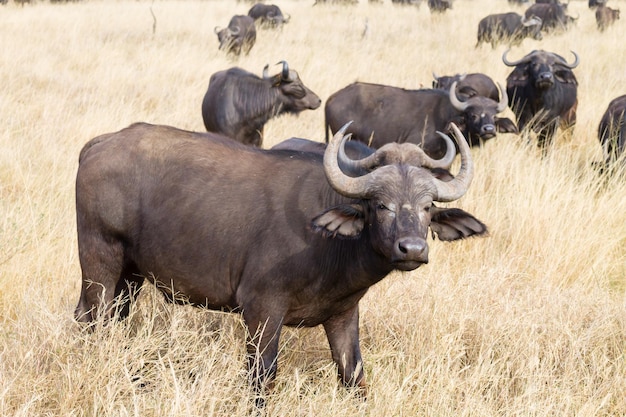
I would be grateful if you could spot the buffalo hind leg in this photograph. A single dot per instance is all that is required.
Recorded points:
(262, 352)
(342, 331)
(127, 289)
(106, 278)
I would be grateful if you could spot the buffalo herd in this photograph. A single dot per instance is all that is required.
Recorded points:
(295, 235)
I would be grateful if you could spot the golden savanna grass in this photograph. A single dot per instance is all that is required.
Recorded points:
(529, 321)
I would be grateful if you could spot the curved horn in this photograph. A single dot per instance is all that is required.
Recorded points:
(531, 21)
(428, 162)
(234, 30)
(266, 73)
(512, 63)
(453, 190)
(285, 74)
(354, 187)
(286, 18)
(504, 99)
(217, 29)
(390, 153)
(573, 64)
(458, 104)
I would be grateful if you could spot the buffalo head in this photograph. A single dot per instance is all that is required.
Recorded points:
(395, 213)
(542, 68)
(479, 115)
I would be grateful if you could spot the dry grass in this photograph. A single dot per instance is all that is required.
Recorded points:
(530, 321)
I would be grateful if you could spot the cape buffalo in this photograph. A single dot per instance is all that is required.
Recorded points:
(240, 35)
(468, 85)
(510, 28)
(384, 114)
(439, 6)
(553, 16)
(543, 93)
(267, 15)
(612, 131)
(605, 17)
(238, 103)
(286, 238)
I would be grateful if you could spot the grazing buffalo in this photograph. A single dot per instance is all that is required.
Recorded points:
(406, 2)
(267, 15)
(286, 238)
(510, 28)
(553, 16)
(612, 131)
(238, 103)
(384, 114)
(542, 92)
(439, 6)
(605, 17)
(468, 85)
(596, 3)
(240, 35)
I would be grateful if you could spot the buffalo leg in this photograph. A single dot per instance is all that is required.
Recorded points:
(545, 136)
(127, 289)
(101, 262)
(262, 351)
(342, 331)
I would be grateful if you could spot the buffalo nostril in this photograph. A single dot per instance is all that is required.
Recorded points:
(412, 247)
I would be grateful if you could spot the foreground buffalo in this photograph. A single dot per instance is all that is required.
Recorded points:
(384, 114)
(267, 15)
(468, 85)
(238, 103)
(543, 93)
(612, 131)
(282, 236)
(240, 35)
(510, 28)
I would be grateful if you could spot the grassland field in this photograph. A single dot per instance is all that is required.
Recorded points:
(528, 321)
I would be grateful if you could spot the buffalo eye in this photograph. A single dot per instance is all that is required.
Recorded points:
(427, 208)
(389, 210)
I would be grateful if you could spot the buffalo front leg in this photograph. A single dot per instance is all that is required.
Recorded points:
(342, 331)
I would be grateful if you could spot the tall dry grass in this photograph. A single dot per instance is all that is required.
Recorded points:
(529, 321)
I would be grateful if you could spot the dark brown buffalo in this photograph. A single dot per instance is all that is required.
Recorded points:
(468, 85)
(238, 103)
(596, 3)
(509, 28)
(267, 15)
(543, 93)
(439, 6)
(553, 17)
(605, 17)
(287, 238)
(384, 114)
(240, 35)
(612, 131)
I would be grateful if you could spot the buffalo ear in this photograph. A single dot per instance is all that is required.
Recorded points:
(506, 125)
(453, 224)
(565, 76)
(517, 78)
(343, 221)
